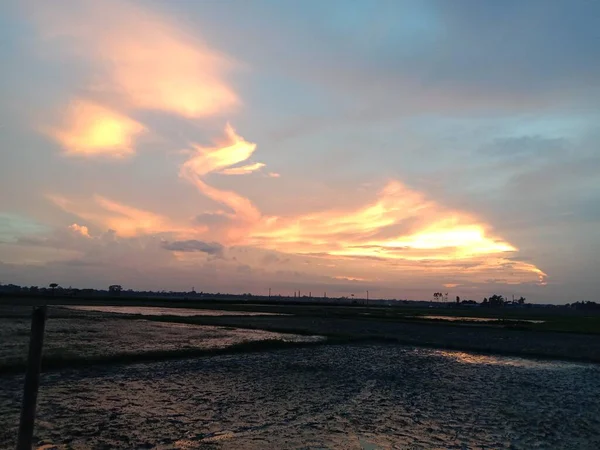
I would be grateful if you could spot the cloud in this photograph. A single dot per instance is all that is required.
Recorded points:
(401, 226)
(243, 170)
(425, 232)
(206, 160)
(401, 229)
(227, 152)
(274, 175)
(138, 56)
(80, 229)
(125, 220)
(351, 279)
(212, 248)
(92, 130)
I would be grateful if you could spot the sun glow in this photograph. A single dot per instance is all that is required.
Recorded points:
(93, 130)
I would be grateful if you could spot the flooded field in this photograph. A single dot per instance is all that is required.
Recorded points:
(103, 335)
(474, 319)
(351, 397)
(155, 311)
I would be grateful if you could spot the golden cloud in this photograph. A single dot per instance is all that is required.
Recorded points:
(139, 56)
(232, 150)
(206, 160)
(140, 60)
(402, 227)
(125, 220)
(80, 229)
(89, 129)
(243, 170)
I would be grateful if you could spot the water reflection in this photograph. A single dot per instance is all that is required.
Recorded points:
(156, 311)
(472, 358)
(474, 319)
(322, 397)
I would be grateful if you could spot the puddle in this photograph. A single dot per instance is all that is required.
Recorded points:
(526, 363)
(156, 311)
(474, 319)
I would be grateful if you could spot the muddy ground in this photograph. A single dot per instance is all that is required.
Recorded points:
(350, 397)
(87, 335)
(472, 337)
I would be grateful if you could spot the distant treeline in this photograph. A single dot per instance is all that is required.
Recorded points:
(584, 305)
(54, 289)
(113, 290)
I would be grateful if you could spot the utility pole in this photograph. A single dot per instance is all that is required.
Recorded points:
(269, 292)
(32, 378)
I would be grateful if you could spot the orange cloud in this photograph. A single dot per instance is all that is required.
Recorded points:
(232, 150)
(80, 229)
(125, 220)
(344, 278)
(206, 160)
(92, 130)
(243, 170)
(139, 56)
(402, 227)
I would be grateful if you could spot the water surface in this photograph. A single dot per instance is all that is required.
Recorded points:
(474, 319)
(156, 311)
(334, 397)
(94, 336)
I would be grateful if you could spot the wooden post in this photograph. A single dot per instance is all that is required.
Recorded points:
(32, 378)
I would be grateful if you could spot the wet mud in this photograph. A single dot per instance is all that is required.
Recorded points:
(351, 396)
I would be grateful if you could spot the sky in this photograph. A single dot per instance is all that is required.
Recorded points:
(399, 147)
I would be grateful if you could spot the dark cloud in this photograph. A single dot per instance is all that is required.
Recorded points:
(193, 245)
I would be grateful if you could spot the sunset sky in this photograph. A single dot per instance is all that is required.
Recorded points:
(399, 147)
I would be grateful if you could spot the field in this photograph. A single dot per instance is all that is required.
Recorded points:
(537, 332)
(253, 376)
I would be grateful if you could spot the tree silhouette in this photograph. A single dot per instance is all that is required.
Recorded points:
(115, 289)
(496, 300)
(53, 286)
